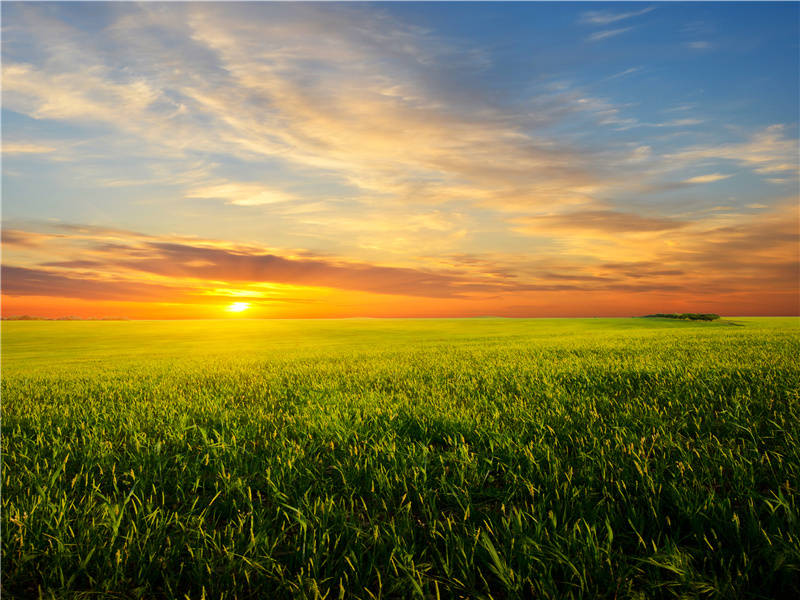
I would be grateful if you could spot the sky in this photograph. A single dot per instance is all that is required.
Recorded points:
(292, 160)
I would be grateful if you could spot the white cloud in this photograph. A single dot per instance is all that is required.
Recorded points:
(768, 151)
(608, 33)
(777, 168)
(26, 148)
(625, 73)
(710, 178)
(241, 194)
(606, 17)
(80, 95)
(641, 154)
(680, 107)
(681, 123)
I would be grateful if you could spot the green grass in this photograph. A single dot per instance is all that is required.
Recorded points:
(576, 458)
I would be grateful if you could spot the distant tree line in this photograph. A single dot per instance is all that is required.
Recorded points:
(687, 316)
(30, 318)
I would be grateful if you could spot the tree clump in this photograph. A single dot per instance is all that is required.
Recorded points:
(686, 316)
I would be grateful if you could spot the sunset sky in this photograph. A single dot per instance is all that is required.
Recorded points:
(380, 159)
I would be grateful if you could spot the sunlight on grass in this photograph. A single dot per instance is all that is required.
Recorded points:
(486, 458)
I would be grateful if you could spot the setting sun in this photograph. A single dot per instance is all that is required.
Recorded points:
(238, 307)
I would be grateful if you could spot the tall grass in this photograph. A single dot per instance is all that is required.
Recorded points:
(401, 459)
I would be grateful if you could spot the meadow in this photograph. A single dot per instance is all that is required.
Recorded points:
(476, 458)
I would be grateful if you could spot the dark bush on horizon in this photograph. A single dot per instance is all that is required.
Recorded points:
(686, 316)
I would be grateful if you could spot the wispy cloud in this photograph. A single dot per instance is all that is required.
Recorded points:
(21, 281)
(625, 73)
(26, 148)
(31, 239)
(595, 17)
(680, 123)
(607, 33)
(607, 221)
(680, 108)
(242, 194)
(710, 178)
(767, 151)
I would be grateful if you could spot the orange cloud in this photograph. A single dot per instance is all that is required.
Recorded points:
(746, 264)
(607, 221)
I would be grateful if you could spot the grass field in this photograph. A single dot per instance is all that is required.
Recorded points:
(575, 458)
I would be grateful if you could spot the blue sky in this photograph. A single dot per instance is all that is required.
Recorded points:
(503, 144)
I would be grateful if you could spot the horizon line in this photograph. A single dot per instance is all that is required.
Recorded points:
(354, 318)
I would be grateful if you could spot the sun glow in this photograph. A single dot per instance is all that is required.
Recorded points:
(237, 307)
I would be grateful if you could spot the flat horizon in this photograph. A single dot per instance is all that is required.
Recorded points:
(229, 319)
